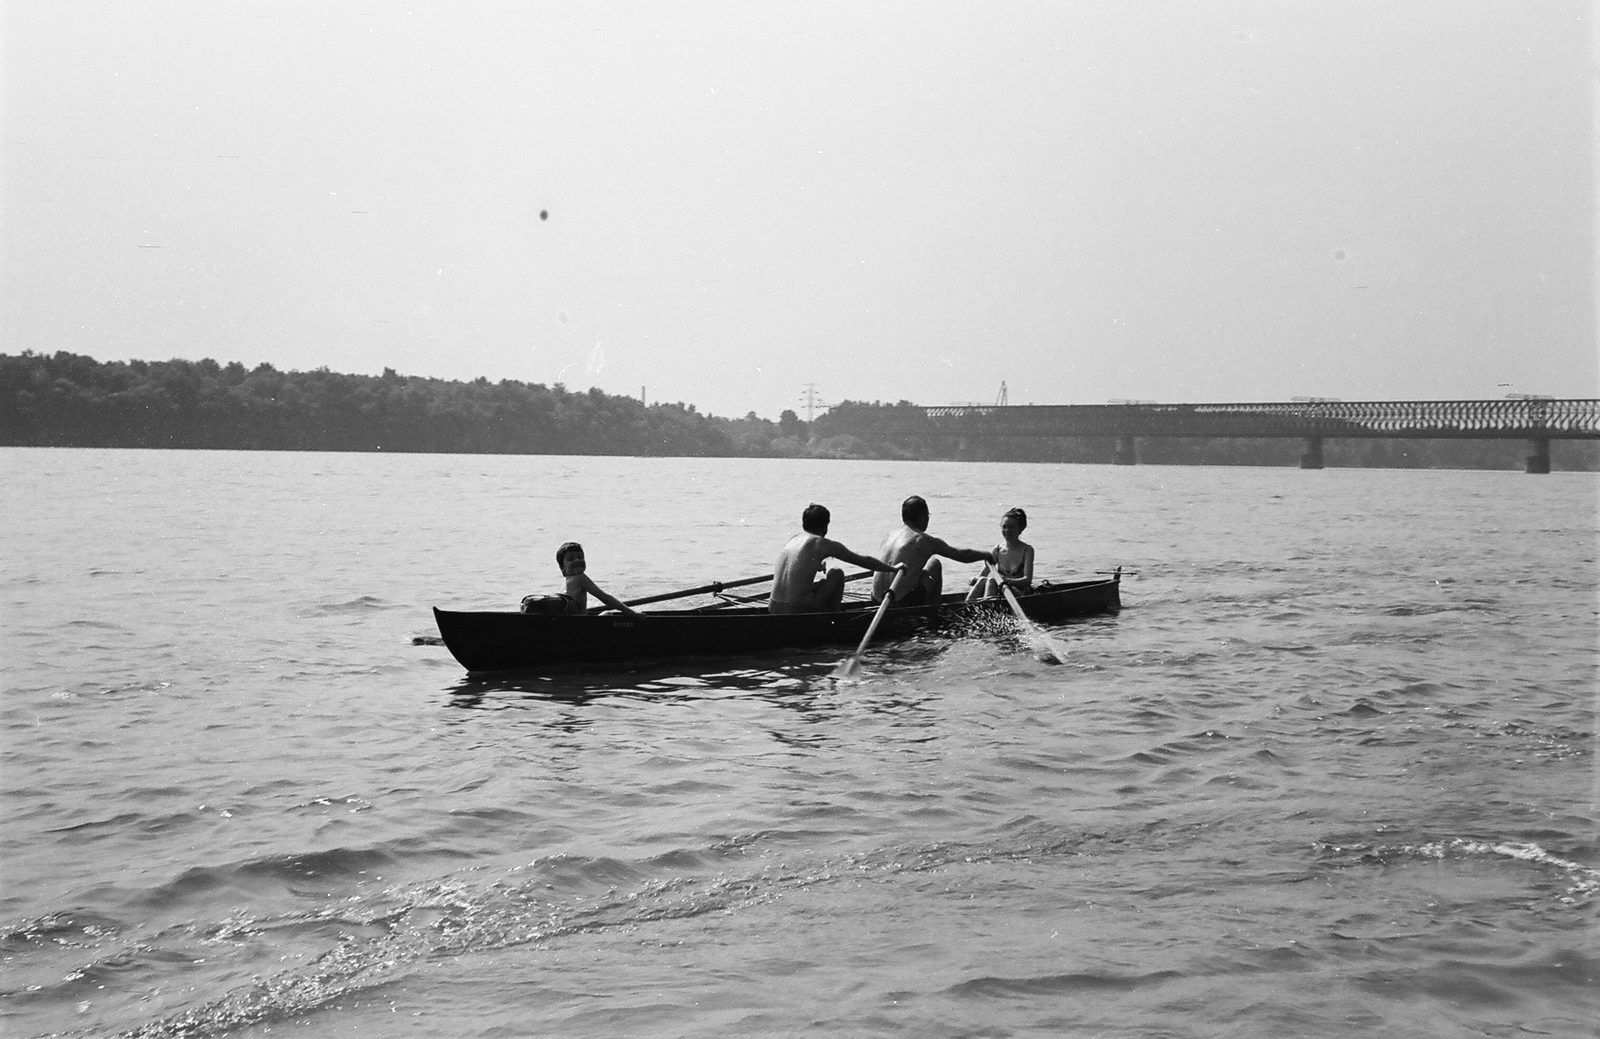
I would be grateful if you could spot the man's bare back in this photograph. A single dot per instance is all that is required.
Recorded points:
(795, 573)
(795, 588)
(922, 580)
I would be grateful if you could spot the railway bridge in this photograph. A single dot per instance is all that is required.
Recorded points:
(1537, 420)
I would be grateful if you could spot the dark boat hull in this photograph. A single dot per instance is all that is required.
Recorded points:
(504, 641)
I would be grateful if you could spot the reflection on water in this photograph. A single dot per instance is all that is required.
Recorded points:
(796, 684)
(784, 675)
(666, 682)
(787, 679)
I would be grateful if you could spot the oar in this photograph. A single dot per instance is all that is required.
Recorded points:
(850, 665)
(1054, 654)
(705, 589)
(745, 600)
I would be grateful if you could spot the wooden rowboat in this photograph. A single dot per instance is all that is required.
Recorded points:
(504, 641)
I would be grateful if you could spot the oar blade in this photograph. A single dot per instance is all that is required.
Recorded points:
(1050, 652)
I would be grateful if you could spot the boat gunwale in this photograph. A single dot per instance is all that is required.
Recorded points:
(1043, 590)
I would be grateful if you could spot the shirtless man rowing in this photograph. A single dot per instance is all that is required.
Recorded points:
(794, 585)
(922, 578)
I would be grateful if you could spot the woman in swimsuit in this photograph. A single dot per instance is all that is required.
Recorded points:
(1014, 560)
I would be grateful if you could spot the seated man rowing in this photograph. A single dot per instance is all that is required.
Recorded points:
(921, 579)
(794, 585)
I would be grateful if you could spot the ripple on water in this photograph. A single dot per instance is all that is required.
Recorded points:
(1305, 768)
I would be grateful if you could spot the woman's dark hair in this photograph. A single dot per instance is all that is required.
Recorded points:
(1018, 515)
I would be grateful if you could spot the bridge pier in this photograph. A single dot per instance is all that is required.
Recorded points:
(1312, 459)
(1539, 461)
(1127, 451)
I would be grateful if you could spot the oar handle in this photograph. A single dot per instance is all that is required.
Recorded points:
(745, 600)
(705, 589)
(768, 593)
(709, 589)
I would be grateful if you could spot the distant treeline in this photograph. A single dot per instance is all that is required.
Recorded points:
(68, 400)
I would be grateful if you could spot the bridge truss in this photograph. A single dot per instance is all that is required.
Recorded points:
(1537, 420)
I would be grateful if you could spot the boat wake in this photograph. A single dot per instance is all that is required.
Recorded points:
(453, 916)
(1581, 882)
(376, 940)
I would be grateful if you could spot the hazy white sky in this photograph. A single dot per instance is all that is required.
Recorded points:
(1181, 201)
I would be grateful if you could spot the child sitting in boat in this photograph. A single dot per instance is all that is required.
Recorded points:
(1013, 560)
(569, 558)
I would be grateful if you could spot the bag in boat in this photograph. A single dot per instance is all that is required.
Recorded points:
(548, 604)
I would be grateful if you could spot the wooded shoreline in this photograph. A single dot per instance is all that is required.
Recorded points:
(70, 400)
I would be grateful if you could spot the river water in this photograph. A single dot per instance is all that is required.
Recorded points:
(1331, 771)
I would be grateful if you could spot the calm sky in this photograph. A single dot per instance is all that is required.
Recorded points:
(1179, 201)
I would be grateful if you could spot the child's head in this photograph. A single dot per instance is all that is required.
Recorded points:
(571, 548)
(1014, 518)
(815, 519)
